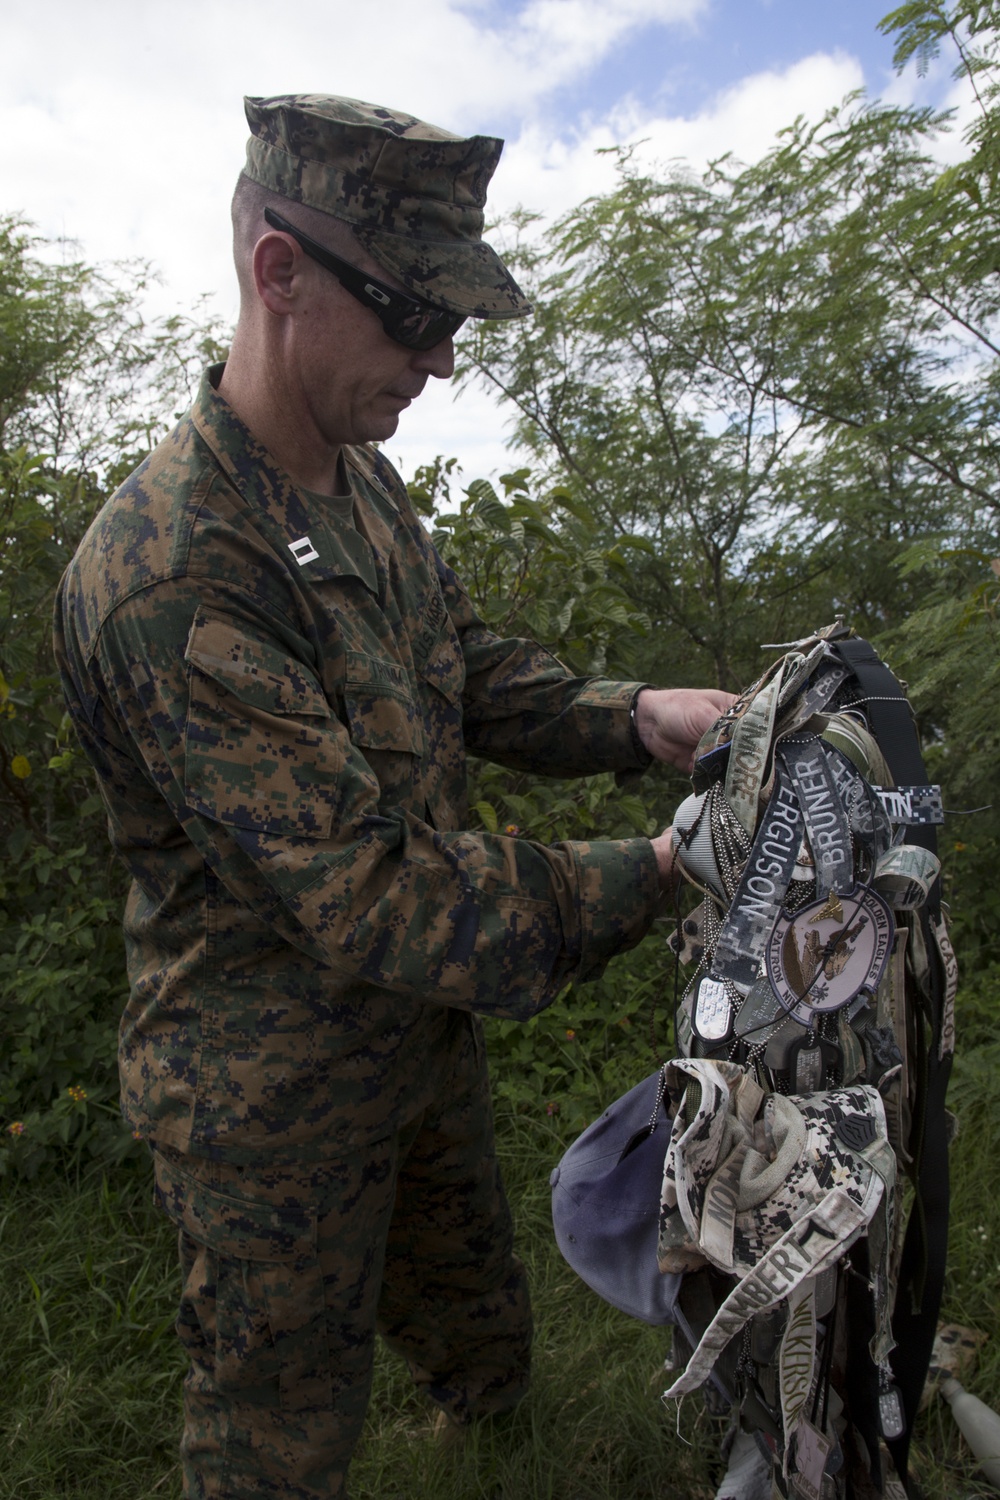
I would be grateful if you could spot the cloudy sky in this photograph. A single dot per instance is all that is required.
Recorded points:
(121, 121)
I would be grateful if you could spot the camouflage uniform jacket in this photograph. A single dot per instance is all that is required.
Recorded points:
(278, 706)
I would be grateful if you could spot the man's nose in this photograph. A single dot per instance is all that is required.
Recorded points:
(439, 361)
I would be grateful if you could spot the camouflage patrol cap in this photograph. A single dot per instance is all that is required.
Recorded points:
(413, 193)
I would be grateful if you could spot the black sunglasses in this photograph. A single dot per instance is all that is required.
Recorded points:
(409, 320)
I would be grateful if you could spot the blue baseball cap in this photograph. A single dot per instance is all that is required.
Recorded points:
(606, 1205)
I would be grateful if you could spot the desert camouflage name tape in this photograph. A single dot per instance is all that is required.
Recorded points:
(807, 1248)
(797, 1357)
(748, 753)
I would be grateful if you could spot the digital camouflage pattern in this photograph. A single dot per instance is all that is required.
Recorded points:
(278, 705)
(413, 193)
(287, 1272)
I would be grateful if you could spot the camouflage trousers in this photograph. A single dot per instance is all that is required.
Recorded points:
(289, 1271)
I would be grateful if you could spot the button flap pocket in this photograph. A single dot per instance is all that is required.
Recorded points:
(233, 1226)
(381, 713)
(262, 749)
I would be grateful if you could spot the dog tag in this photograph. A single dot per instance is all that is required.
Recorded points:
(892, 1421)
(765, 1335)
(779, 1042)
(760, 1009)
(826, 1291)
(713, 1011)
(807, 1061)
(812, 1449)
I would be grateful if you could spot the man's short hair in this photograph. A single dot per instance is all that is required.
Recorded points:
(249, 202)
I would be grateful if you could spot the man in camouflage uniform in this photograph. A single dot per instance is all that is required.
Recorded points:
(277, 679)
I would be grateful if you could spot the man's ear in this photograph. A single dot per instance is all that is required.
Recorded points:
(276, 260)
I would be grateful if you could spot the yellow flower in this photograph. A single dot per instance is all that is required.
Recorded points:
(16, 1128)
(76, 1093)
(512, 829)
(570, 1036)
(21, 766)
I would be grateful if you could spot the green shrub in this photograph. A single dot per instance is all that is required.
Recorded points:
(62, 982)
(86, 386)
(593, 1044)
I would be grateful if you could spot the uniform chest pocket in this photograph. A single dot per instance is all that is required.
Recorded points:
(381, 711)
(385, 723)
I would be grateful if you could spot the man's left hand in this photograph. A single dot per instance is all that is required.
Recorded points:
(671, 721)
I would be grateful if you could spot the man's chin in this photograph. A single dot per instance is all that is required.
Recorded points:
(377, 429)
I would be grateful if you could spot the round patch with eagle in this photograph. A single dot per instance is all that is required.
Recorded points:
(822, 957)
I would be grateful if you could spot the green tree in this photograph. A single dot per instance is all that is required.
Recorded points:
(618, 402)
(84, 385)
(781, 374)
(949, 647)
(704, 373)
(536, 565)
(786, 377)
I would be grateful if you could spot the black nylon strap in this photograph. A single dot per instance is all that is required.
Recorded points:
(892, 722)
(921, 1276)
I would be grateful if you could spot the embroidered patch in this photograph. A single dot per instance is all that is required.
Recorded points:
(822, 957)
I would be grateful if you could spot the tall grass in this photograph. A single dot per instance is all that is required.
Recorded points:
(90, 1375)
(88, 1368)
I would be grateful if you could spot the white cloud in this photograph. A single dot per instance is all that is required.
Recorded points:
(121, 123)
(117, 69)
(551, 41)
(543, 171)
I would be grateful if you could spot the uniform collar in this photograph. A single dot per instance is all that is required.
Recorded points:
(313, 541)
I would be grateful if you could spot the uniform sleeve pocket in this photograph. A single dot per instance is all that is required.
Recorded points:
(261, 745)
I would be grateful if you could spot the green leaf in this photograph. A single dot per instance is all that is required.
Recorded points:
(18, 843)
(487, 815)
